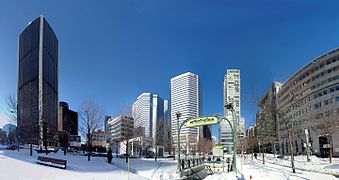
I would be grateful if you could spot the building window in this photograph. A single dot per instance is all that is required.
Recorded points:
(331, 90)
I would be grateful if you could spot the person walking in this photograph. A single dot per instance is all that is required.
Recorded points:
(228, 161)
(109, 156)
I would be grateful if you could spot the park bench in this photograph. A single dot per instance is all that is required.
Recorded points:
(60, 163)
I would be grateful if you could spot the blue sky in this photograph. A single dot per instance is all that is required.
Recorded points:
(112, 51)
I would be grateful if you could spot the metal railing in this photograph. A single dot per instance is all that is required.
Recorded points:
(191, 162)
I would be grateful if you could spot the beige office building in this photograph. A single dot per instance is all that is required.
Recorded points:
(309, 99)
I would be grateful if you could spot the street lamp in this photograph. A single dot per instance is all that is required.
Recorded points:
(178, 114)
(230, 107)
(307, 145)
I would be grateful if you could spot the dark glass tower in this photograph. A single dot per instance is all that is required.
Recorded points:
(38, 83)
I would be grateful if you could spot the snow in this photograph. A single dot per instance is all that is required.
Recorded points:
(316, 165)
(258, 171)
(79, 168)
(162, 168)
(19, 165)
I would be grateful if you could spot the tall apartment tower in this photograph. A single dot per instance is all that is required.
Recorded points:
(147, 111)
(231, 95)
(185, 98)
(37, 88)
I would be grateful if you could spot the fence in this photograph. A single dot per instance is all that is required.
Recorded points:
(191, 162)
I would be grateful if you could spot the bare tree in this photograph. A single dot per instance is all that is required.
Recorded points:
(12, 114)
(327, 125)
(204, 145)
(265, 130)
(138, 133)
(130, 133)
(161, 135)
(288, 125)
(126, 136)
(91, 116)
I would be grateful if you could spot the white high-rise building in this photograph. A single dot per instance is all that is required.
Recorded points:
(141, 113)
(185, 98)
(241, 128)
(147, 111)
(231, 95)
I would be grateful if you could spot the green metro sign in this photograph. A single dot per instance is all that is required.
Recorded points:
(201, 121)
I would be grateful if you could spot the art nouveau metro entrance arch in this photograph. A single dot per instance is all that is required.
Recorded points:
(201, 121)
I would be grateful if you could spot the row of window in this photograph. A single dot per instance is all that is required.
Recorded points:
(315, 86)
(311, 71)
(326, 102)
(308, 108)
(323, 73)
(325, 81)
(326, 91)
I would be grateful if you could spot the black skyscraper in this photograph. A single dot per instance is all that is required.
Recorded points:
(68, 119)
(38, 83)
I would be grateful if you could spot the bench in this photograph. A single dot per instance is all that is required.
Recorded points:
(60, 163)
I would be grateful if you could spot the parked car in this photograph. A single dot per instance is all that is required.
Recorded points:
(169, 156)
(149, 156)
(282, 157)
(122, 155)
(12, 147)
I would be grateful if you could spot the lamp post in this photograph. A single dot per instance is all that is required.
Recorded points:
(307, 146)
(230, 107)
(178, 141)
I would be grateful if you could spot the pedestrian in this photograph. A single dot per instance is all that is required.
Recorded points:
(228, 160)
(109, 156)
(255, 155)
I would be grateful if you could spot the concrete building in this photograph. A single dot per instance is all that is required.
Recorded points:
(309, 99)
(118, 129)
(98, 139)
(38, 89)
(148, 112)
(266, 119)
(231, 95)
(186, 98)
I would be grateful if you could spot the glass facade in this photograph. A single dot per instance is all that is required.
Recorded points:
(37, 81)
(68, 119)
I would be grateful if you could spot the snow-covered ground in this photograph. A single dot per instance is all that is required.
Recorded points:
(162, 169)
(258, 171)
(316, 164)
(19, 165)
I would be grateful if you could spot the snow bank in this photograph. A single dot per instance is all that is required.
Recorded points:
(19, 165)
